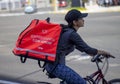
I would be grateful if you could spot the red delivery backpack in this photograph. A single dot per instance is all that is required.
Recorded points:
(38, 41)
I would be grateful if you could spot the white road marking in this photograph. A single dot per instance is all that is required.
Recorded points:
(19, 14)
(8, 82)
(12, 14)
(114, 65)
(80, 57)
(77, 57)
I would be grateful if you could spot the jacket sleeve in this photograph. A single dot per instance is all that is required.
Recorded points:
(81, 45)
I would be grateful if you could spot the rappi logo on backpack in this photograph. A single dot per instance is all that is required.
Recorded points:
(44, 31)
(42, 39)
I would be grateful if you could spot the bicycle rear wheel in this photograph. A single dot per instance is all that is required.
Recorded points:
(114, 81)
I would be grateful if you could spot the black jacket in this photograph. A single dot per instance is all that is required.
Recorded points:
(68, 41)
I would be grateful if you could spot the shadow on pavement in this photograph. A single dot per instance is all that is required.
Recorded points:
(40, 82)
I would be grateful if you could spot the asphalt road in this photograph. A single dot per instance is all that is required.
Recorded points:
(102, 31)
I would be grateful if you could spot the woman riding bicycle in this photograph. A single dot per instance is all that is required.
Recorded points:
(70, 40)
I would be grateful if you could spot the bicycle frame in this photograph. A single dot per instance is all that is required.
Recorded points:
(95, 77)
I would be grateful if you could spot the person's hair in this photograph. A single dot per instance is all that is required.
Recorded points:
(70, 24)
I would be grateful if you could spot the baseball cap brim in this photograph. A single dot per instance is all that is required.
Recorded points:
(83, 15)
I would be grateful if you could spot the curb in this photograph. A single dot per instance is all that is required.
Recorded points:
(97, 9)
(93, 9)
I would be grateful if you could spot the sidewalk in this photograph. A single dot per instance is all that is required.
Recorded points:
(89, 9)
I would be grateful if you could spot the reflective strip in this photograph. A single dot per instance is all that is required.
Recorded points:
(36, 52)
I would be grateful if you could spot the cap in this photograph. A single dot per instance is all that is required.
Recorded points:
(74, 15)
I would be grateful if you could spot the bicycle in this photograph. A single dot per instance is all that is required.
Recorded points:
(96, 77)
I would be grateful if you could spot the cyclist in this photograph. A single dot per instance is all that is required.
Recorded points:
(70, 40)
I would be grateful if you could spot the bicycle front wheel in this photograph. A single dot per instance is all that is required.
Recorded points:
(114, 81)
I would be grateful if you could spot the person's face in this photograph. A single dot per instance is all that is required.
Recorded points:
(78, 23)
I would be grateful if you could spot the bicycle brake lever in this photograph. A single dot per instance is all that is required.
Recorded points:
(110, 56)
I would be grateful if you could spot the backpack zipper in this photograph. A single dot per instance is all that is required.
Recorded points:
(24, 36)
(27, 31)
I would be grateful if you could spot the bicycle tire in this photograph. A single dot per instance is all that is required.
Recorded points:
(114, 81)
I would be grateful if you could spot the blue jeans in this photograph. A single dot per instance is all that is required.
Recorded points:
(67, 74)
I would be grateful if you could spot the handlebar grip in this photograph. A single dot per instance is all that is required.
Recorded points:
(95, 58)
(98, 57)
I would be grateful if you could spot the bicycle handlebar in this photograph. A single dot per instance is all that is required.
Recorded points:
(99, 58)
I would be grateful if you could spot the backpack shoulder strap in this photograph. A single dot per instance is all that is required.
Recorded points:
(66, 32)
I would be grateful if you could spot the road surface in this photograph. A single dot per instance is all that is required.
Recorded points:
(101, 30)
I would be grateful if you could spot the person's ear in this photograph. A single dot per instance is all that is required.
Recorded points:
(74, 22)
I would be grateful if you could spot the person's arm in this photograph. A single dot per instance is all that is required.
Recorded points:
(83, 47)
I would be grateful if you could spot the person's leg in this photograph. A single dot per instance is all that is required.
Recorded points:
(67, 74)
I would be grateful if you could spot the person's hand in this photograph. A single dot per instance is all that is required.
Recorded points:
(104, 53)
